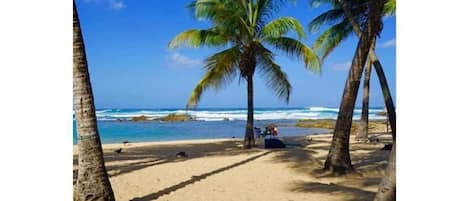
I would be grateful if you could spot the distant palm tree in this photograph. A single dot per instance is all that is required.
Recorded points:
(348, 17)
(338, 158)
(243, 27)
(362, 134)
(92, 181)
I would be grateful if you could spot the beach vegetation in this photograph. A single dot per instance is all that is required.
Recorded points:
(246, 33)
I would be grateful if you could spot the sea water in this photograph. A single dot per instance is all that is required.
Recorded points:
(209, 124)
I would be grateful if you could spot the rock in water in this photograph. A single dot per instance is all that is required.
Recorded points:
(140, 118)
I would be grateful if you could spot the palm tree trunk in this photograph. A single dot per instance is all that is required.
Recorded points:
(249, 140)
(92, 181)
(379, 72)
(387, 187)
(362, 134)
(338, 158)
(391, 111)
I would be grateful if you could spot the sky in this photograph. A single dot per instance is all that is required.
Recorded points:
(131, 65)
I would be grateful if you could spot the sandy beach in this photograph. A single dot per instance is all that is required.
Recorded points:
(219, 169)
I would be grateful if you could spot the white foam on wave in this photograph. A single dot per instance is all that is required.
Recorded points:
(323, 109)
(328, 109)
(238, 114)
(263, 115)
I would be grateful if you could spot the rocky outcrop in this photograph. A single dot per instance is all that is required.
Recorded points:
(175, 117)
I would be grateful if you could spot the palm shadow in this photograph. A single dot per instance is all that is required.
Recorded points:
(194, 179)
(136, 158)
(344, 192)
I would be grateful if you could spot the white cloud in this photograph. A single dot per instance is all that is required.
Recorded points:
(389, 43)
(117, 4)
(316, 4)
(341, 66)
(113, 4)
(184, 61)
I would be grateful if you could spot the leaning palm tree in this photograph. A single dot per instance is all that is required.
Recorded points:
(92, 181)
(349, 16)
(338, 158)
(387, 187)
(244, 29)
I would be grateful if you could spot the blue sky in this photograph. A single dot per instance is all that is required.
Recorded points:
(131, 66)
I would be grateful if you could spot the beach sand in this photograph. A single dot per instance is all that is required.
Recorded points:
(219, 169)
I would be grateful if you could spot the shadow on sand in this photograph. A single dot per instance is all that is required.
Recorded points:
(345, 193)
(136, 158)
(367, 158)
(195, 179)
(302, 155)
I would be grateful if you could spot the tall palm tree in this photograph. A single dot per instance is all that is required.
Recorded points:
(92, 181)
(243, 27)
(362, 134)
(387, 187)
(338, 158)
(350, 16)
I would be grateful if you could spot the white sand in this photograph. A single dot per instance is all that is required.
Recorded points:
(219, 170)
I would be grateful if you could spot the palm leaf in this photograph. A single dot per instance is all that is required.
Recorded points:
(221, 69)
(295, 48)
(332, 37)
(329, 16)
(197, 38)
(275, 78)
(390, 8)
(281, 26)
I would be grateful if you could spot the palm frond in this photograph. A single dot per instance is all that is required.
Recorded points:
(297, 49)
(332, 37)
(329, 17)
(197, 38)
(221, 69)
(390, 8)
(281, 26)
(275, 78)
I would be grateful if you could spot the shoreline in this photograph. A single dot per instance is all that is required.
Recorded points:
(376, 125)
(108, 146)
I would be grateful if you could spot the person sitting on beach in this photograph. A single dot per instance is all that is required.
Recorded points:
(275, 131)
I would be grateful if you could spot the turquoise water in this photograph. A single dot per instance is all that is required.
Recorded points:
(210, 123)
(116, 132)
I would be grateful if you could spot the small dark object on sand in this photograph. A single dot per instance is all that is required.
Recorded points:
(125, 142)
(273, 143)
(181, 154)
(310, 139)
(387, 147)
(118, 150)
(374, 139)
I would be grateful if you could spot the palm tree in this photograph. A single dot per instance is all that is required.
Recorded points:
(362, 134)
(338, 158)
(387, 187)
(352, 15)
(243, 27)
(92, 181)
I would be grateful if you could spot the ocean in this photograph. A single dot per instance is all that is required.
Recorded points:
(211, 123)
